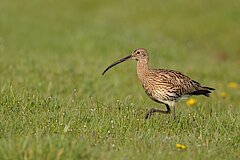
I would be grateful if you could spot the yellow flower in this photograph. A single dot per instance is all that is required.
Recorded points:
(191, 102)
(180, 146)
(232, 85)
(223, 94)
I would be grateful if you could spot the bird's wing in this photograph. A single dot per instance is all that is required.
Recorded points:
(175, 81)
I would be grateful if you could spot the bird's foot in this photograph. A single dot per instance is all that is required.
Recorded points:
(149, 113)
(174, 116)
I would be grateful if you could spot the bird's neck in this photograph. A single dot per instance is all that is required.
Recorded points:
(142, 69)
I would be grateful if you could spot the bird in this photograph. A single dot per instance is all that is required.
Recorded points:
(164, 86)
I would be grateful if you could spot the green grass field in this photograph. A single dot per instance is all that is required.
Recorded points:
(54, 103)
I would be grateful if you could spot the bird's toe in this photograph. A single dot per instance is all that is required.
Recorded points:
(149, 113)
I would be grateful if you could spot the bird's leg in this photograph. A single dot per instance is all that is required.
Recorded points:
(174, 112)
(153, 110)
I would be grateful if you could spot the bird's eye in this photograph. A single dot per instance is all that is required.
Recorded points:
(138, 52)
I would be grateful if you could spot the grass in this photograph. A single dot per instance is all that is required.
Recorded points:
(54, 103)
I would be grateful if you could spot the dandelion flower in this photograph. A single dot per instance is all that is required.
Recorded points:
(180, 146)
(223, 94)
(232, 85)
(191, 102)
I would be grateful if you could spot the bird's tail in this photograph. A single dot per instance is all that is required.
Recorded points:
(208, 88)
(203, 91)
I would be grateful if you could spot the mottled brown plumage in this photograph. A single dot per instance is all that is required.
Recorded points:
(162, 85)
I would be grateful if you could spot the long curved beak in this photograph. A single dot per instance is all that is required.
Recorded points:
(117, 62)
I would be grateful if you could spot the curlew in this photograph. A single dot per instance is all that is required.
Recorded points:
(163, 85)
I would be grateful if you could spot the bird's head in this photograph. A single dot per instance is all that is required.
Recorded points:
(138, 54)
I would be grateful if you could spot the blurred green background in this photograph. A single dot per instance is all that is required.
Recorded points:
(58, 49)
